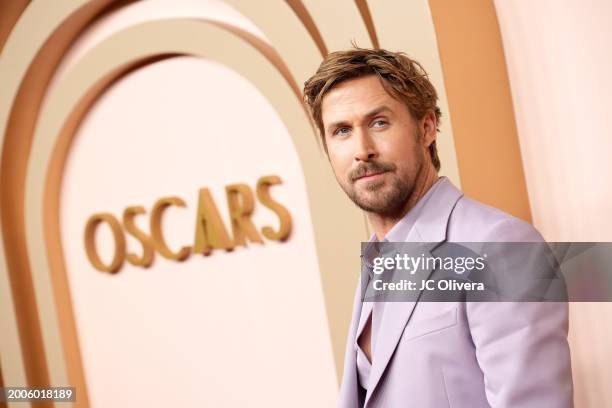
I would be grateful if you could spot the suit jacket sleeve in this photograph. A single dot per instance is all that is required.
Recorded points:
(522, 347)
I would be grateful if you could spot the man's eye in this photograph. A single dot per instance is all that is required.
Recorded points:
(342, 131)
(379, 123)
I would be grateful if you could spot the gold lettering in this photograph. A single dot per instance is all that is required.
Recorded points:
(90, 242)
(210, 231)
(263, 194)
(156, 229)
(241, 204)
(145, 240)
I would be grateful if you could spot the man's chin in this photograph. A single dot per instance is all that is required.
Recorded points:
(372, 186)
(372, 204)
(379, 201)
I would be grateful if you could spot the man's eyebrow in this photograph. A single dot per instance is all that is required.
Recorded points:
(369, 115)
(378, 111)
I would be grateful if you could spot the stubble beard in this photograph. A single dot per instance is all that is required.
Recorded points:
(385, 197)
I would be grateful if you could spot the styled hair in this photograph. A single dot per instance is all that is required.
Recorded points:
(402, 77)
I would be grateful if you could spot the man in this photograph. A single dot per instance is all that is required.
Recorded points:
(378, 118)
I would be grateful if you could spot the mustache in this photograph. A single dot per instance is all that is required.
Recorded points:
(370, 168)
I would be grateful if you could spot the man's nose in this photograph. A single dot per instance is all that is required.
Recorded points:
(365, 147)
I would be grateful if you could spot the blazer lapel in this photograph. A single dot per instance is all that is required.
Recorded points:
(430, 228)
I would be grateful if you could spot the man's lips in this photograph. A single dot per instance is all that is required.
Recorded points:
(371, 176)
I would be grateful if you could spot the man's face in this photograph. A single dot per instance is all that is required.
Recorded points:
(375, 147)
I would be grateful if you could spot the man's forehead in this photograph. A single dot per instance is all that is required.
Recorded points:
(355, 97)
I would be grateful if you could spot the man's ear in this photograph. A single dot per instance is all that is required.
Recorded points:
(428, 126)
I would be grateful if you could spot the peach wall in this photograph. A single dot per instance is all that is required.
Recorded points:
(559, 66)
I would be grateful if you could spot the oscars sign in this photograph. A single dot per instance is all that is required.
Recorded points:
(210, 230)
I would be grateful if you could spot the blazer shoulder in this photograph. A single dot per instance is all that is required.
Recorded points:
(474, 221)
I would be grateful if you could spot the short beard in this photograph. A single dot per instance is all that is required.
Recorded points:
(387, 202)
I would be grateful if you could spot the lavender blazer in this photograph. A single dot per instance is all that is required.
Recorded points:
(464, 355)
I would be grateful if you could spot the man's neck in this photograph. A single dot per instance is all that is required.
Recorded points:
(382, 223)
